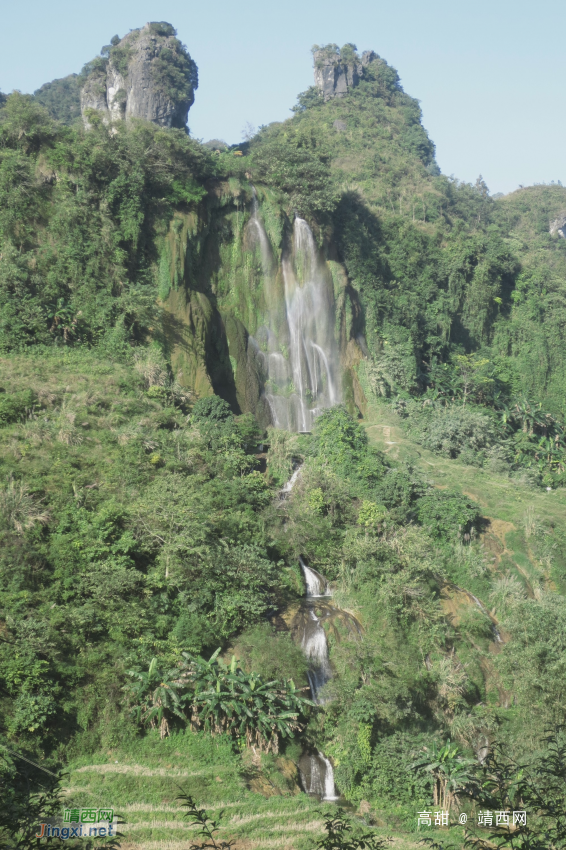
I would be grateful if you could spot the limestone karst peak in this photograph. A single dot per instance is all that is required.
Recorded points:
(338, 70)
(147, 74)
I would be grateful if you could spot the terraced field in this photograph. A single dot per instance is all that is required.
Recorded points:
(143, 785)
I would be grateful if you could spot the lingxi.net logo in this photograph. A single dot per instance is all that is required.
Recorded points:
(82, 823)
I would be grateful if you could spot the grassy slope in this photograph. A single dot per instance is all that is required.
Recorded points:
(143, 781)
(515, 512)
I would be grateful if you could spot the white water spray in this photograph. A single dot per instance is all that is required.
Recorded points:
(329, 785)
(317, 774)
(317, 585)
(315, 647)
(302, 366)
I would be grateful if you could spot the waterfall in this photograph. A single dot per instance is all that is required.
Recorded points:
(302, 364)
(264, 246)
(316, 584)
(329, 786)
(286, 489)
(317, 775)
(315, 647)
(317, 772)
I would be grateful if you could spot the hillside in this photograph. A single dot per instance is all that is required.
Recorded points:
(282, 454)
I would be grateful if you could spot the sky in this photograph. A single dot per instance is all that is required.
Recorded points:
(489, 74)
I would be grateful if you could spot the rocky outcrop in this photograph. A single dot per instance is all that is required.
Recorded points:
(336, 71)
(148, 74)
(558, 227)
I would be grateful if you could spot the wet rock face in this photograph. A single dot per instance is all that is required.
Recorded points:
(335, 73)
(148, 74)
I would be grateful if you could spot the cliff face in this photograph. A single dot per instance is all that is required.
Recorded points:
(256, 311)
(335, 71)
(148, 74)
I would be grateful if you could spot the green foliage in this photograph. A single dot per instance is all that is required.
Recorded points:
(198, 817)
(270, 653)
(82, 262)
(457, 429)
(61, 98)
(156, 696)
(136, 530)
(537, 786)
(174, 72)
(296, 161)
(449, 771)
(162, 28)
(15, 406)
(339, 439)
(308, 99)
(447, 515)
(211, 409)
(226, 699)
(24, 806)
(339, 835)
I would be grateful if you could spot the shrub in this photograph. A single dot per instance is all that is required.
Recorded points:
(447, 514)
(13, 406)
(339, 437)
(449, 433)
(211, 409)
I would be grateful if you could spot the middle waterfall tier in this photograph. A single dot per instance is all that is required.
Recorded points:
(314, 644)
(296, 345)
(316, 584)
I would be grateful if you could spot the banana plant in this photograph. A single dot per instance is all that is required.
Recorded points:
(156, 696)
(225, 698)
(448, 769)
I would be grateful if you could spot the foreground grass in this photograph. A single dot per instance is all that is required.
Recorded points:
(143, 779)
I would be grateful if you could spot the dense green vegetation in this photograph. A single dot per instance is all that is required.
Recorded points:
(149, 579)
(61, 98)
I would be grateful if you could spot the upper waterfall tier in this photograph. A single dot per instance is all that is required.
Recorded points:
(297, 345)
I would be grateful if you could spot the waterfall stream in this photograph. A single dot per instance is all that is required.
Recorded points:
(317, 772)
(317, 585)
(300, 355)
(317, 775)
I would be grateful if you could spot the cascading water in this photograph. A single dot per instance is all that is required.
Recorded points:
(315, 647)
(301, 364)
(264, 246)
(286, 489)
(317, 586)
(317, 775)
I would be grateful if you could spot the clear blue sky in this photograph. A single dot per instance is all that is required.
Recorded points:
(489, 74)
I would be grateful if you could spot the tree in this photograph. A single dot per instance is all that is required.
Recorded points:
(227, 699)
(537, 787)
